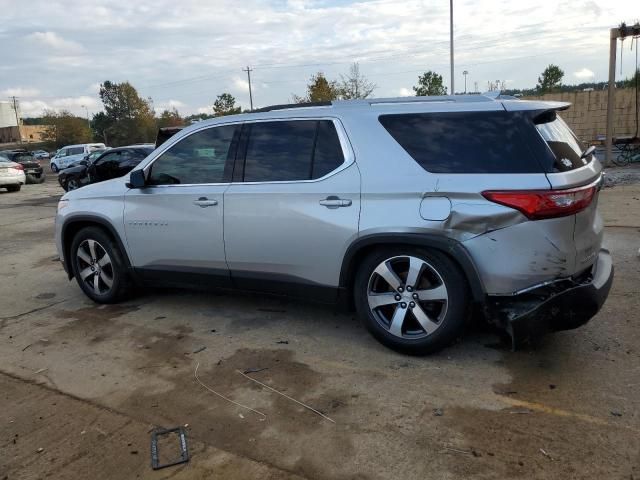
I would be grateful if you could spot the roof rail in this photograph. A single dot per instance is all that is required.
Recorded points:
(429, 99)
(286, 106)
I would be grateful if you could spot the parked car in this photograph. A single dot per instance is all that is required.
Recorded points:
(32, 168)
(66, 156)
(111, 163)
(11, 174)
(89, 157)
(40, 154)
(416, 211)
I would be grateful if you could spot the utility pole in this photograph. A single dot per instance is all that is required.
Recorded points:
(248, 70)
(15, 109)
(451, 40)
(465, 73)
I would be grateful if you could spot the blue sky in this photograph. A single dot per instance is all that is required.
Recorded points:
(182, 54)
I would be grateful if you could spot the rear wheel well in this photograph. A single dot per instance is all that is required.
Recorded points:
(353, 260)
(71, 230)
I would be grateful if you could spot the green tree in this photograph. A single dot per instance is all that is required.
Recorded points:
(430, 83)
(319, 89)
(128, 118)
(170, 118)
(551, 79)
(64, 128)
(633, 81)
(225, 104)
(354, 84)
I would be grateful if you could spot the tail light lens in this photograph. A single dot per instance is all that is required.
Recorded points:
(540, 204)
(18, 167)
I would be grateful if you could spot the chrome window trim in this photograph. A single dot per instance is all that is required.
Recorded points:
(345, 144)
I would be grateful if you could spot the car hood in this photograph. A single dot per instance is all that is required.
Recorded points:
(81, 169)
(108, 188)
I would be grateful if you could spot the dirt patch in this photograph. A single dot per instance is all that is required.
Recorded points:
(289, 434)
(47, 262)
(93, 323)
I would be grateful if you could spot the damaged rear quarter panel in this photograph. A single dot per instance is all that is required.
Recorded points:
(524, 255)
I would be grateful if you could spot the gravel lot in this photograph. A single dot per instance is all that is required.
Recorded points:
(82, 385)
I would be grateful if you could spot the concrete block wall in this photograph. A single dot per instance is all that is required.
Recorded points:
(588, 113)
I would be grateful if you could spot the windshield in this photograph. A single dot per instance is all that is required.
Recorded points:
(565, 146)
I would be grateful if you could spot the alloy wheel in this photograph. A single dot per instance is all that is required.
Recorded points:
(72, 184)
(94, 266)
(407, 297)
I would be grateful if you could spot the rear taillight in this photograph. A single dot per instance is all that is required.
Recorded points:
(18, 167)
(539, 204)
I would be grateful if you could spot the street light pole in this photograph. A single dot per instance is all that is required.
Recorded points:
(87, 112)
(465, 73)
(451, 40)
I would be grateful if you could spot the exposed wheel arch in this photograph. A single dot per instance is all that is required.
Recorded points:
(452, 248)
(75, 224)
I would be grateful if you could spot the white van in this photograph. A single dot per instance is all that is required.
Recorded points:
(72, 153)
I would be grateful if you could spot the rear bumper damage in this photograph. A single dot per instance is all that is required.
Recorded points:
(563, 305)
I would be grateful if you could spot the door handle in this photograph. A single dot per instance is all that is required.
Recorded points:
(335, 202)
(204, 202)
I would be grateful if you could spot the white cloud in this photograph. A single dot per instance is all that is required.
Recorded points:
(71, 103)
(33, 108)
(241, 85)
(20, 92)
(405, 92)
(169, 105)
(55, 42)
(584, 74)
(208, 110)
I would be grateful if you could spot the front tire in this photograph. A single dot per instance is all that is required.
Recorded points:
(412, 300)
(98, 266)
(54, 168)
(71, 184)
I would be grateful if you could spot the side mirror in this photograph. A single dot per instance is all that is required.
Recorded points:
(136, 179)
(84, 162)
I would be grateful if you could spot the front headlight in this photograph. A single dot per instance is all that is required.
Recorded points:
(63, 204)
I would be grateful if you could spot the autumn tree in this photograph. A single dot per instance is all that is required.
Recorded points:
(355, 84)
(550, 79)
(170, 118)
(430, 83)
(319, 89)
(64, 128)
(225, 104)
(127, 117)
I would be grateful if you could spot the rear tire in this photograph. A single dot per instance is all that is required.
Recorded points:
(13, 188)
(98, 266)
(412, 300)
(34, 179)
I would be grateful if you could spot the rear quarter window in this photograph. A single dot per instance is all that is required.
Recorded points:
(565, 147)
(464, 142)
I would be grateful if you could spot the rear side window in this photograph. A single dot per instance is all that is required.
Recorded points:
(291, 150)
(75, 151)
(198, 158)
(567, 149)
(464, 142)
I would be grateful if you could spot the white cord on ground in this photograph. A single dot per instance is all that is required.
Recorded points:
(195, 373)
(286, 396)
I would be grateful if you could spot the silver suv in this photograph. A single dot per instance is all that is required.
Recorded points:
(415, 211)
